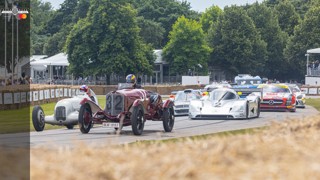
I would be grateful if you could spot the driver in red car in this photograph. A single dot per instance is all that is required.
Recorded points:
(88, 91)
(131, 78)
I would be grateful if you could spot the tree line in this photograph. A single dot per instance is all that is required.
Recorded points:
(268, 39)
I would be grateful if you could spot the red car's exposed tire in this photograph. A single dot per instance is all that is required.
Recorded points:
(85, 118)
(38, 118)
(168, 119)
(137, 120)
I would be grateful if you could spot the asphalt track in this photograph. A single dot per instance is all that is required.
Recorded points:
(153, 130)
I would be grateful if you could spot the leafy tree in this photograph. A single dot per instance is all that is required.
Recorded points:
(267, 25)
(41, 13)
(209, 17)
(165, 12)
(306, 36)
(151, 31)
(287, 16)
(61, 23)
(107, 41)
(187, 46)
(237, 44)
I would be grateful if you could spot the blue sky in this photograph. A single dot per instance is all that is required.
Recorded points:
(197, 5)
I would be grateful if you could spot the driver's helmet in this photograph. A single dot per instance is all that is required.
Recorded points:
(131, 78)
(84, 88)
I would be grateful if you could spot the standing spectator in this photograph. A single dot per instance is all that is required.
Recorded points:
(312, 65)
(22, 79)
(28, 80)
(316, 65)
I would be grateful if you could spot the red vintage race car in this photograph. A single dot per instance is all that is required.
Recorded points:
(125, 107)
(277, 97)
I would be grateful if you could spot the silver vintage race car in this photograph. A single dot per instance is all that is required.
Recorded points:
(227, 103)
(66, 111)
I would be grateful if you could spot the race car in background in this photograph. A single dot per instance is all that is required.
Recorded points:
(300, 96)
(277, 97)
(182, 101)
(213, 86)
(225, 103)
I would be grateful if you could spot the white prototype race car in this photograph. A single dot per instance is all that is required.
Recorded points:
(66, 112)
(227, 103)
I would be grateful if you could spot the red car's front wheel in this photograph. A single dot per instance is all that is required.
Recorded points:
(137, 120)
(85, 118)
(168, 119)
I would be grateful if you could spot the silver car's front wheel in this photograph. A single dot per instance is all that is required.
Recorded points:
(38, 118)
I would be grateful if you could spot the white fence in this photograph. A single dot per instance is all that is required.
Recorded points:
(7, 98)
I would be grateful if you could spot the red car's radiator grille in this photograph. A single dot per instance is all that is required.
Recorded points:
(114, 104)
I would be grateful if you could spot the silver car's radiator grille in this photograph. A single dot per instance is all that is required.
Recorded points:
(182, 111)
(60, 113)
(114, 104)
(181, 106)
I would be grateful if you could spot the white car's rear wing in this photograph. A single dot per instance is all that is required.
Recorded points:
(244, 92)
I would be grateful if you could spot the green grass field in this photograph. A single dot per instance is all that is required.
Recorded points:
(314, 102)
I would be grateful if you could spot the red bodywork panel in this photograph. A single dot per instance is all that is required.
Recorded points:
(275, 102)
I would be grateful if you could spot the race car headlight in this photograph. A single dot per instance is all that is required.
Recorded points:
(299, 97)
(237, 109)
(288, 103)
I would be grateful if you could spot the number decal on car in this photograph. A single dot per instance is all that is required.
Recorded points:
(109, 102)
(114, 104)
(119, 104)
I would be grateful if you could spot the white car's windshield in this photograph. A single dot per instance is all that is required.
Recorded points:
(222, 95)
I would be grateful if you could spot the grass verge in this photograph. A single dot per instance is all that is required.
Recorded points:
(315, 102)
(249, 131)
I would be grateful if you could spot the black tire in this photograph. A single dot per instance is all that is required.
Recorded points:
(247, 110)
(137, 120)
(85, 118)
(293, 110)
(70, 126)
(168, 119)
(259, 110)
(38, 118)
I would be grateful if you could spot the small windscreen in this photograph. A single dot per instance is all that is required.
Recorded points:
(125, 86)
(275, 89)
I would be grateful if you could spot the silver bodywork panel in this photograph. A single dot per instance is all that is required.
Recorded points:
(66, 111)
(224, 108)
